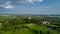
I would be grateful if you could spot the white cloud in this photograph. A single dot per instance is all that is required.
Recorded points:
(40, 0)
(30, 1)
(7, 5)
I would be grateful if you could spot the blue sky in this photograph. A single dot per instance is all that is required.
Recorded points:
(29, 6)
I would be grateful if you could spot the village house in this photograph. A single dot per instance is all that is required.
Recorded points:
(45, 22)
(29, 17)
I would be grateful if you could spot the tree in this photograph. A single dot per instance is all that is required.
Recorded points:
(40, 32)
(48, 32)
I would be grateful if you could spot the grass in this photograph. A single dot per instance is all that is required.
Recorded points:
(24, 31)
(37, 27)
(31, 29)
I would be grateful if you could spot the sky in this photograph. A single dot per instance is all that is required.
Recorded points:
(29, 6)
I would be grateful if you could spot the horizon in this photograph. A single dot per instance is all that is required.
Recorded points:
(32, 14)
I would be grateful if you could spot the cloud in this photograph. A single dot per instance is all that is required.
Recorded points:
(38, 0)
(30, 1)
(18, 2)
(7, 5)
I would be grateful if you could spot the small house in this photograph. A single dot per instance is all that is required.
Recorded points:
(44, 22)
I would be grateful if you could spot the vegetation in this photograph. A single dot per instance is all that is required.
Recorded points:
(15, 24)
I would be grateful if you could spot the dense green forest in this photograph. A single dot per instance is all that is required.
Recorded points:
(27, 24)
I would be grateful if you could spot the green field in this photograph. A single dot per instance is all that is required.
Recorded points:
(29, 29)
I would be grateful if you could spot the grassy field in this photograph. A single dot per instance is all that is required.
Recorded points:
(28, 29)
